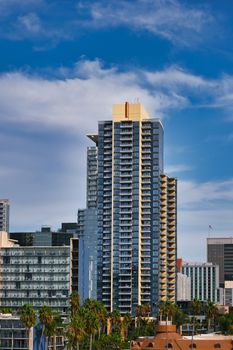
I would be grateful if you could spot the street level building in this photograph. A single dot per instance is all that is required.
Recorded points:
(14, 336)
(4, 214)
(167, 338)
(136, 213)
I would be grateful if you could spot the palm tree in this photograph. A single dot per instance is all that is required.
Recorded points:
(28, 318)
(167, 308)
(145, 310)
(210, 311)
(179, 317)
(116, 320)
(139, 312)
(53, 328)
(125, 324)
(196, 306)
(100, 311)
(91, 323)
(195, 309)
(74, 300)
(46, 319)
(74, 332)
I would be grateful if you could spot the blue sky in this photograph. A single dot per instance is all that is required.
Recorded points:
(64, 63)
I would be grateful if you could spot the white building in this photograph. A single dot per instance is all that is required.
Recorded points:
(204, 281)
(183, 287)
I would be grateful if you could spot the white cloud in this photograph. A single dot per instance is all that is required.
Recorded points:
(46, 181)
(200, 205)
(177, 168)
(177, 77)
(77, 101)
(84, 90)
(30, 22)
(172, 20)
(169, 19)
(192, 193)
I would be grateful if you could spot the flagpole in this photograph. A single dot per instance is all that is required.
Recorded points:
(210, 229)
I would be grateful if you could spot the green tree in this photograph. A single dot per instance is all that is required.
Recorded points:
(195, 309)
(74, 300)
(6, 310)
(116, 320)
(225, 322)
(28, 318)
(179, 317)
(127, 319)
(46, 318)
(91, 324)
(142, 311)
(74, 332)
(54, 328)
(167, 309)
(100, 311)
(211, 312)
(108, 342)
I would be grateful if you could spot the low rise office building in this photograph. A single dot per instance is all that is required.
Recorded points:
(204, 281)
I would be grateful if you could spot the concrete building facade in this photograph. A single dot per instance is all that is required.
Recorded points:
(183, 287)
(38, 276)
(204, 281)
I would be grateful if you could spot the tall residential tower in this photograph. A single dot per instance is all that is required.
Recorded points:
(136, 213)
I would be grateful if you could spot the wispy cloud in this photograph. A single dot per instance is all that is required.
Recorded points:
(64, 102)
(199, 205)
(84, 90)
(177, 168)
(200, 194)
(30, 22)
(169, 19)
(175, 76)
